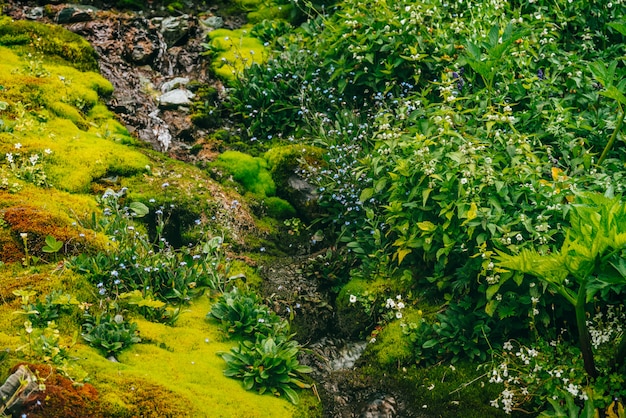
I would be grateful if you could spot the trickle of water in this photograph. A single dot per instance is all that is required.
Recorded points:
(339, 354)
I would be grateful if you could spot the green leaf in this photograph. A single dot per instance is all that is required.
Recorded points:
(427, 226)
(52, 245)
(139, 209)
(430, 344)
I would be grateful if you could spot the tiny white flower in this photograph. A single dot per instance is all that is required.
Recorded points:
(352, 298)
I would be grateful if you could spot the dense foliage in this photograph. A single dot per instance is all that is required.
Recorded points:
(453, 132)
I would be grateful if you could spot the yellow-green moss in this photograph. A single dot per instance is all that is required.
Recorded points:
(53, 112)
(52, 40)
(235, 50)
(182, 364)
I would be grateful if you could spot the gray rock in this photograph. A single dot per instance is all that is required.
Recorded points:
(174, 84)
(175, 98)
(174, 29)
(213, 22)
(34, 14)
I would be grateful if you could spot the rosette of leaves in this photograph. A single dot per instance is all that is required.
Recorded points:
(110, 333)
(267, 365)
(243, 314)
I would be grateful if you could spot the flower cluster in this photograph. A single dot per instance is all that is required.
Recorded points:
(531, 374)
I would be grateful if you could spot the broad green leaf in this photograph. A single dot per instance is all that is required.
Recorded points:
(139, 209)
(427, 226)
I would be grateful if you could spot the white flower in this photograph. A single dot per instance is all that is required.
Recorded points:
(398, 314)
(18, 146)
(507, 346)
(519, 237)
(352, 298)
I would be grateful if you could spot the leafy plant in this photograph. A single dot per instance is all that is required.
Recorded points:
(243, 314)
(40, 312)
(589, 266)
(109, 333)
(267, 365)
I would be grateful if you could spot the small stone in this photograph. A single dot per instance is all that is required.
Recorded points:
(213, 22)
(174, 84)
(34, 14)
(175, 98)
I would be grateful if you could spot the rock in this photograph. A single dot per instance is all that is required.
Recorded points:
(175, 29)
(34, 14)
(174, 83)
(175, 98)
(213, 22)
(75, 13)
(383, 406)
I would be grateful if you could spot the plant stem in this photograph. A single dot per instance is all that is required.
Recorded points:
(609, 145)
(618, 360)
(583, 333)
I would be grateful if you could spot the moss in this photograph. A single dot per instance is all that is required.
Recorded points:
(392, 347)
(40, 215)
(61, 397)
(272, 12)
(279, 208)
(249, 171)
(66, 111)
(83, 147)
(442, 390)
(234, 50)
(178, 373)
(51, 40)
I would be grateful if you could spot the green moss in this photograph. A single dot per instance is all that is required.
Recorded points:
(51, 40)
(181, 365)
(234, 50)
(392, 346)
(249, 171)
(66, 111)
(279, 208)
(272, 12)
(443, 390)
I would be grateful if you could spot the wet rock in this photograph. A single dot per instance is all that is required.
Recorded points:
(176, 98)
(175, 29)
(75, 13)
(174, 83)
(34, 13)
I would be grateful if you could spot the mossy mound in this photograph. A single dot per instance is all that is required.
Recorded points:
(52, 41)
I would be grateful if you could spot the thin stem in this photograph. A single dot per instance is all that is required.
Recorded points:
(609, 145)
(583, 333)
